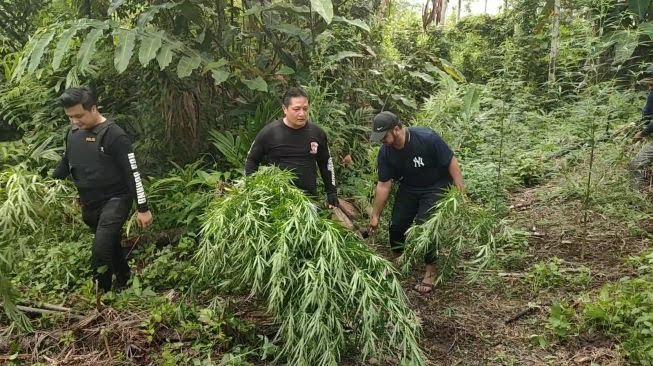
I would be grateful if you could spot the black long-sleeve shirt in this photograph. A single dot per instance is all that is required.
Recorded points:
(115, 144)
(297, 150)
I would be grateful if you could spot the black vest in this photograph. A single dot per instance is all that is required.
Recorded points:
(89, 165)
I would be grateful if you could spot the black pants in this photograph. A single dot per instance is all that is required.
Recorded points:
(410, 206)
(106, 220)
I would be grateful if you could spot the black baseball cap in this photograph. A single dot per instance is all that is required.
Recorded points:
(383, 122)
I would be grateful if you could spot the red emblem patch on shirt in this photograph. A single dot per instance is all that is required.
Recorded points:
(314, 146)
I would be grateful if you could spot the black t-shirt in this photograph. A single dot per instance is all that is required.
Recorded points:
(422, 164)
(297, 150)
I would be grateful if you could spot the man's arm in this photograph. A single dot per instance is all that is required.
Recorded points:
(255, 155)
(122, 152)
(62, 171)
(383, 186)
(325, 164)
(381, 195)
(647, 115)
(456, 174)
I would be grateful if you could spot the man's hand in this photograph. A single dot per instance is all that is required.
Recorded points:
(332, 200)
(374, 224)
(638, 136)
(144, 219)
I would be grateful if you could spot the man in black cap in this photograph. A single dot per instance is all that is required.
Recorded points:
(100, 159)
(424, 166)
(644, 159)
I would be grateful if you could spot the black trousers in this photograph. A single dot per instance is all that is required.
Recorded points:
(411, 205)
(106, 220)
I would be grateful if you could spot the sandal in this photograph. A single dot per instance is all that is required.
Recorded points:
(423, 287)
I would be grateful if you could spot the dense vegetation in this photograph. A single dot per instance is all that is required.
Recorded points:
(538, 102)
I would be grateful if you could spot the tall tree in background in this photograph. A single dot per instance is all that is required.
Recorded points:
(14, 25)
(434, 11)
(555, 40)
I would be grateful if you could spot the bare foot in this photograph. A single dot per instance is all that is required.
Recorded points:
(426, 285)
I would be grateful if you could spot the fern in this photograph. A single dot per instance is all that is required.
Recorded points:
(231, 146)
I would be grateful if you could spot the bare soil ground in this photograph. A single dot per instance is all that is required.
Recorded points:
(496, 321)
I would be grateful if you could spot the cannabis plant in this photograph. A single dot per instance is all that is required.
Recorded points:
(325, 288)
(458, 232)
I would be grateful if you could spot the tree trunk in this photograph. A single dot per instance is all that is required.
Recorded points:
(555, 41)
(460, 5)
(221, 8)
(86, 9)
(485, 9)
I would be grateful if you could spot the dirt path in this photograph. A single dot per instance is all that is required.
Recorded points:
(500, 319)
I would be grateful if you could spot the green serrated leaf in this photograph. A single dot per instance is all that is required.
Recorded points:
(625, 44)
(355, 22)
(428, 78)
(150, 45)
(254, 10)
(148, 15)
(87, 49)
(115, 4)
(214, 65)
(164, 57)
(293, 30)
(257, 9)
(39, 48)
(647, 28)
(431, 68)
(409, 102)
(324, 8)
(62, 46)
(343, 55)
(220, 76)
(288, 7)
(285, 70)
(187, 64)
(257, 84)
(126, 40)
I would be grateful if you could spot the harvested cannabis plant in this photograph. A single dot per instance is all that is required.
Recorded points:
(458, 231)
(325, 288)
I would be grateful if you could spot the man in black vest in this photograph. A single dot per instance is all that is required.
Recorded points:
(424, 166)
(295, 144)
(100, 159)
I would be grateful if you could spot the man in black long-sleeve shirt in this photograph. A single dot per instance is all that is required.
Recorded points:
(100, 159)
(644, 159)
(295, 144)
